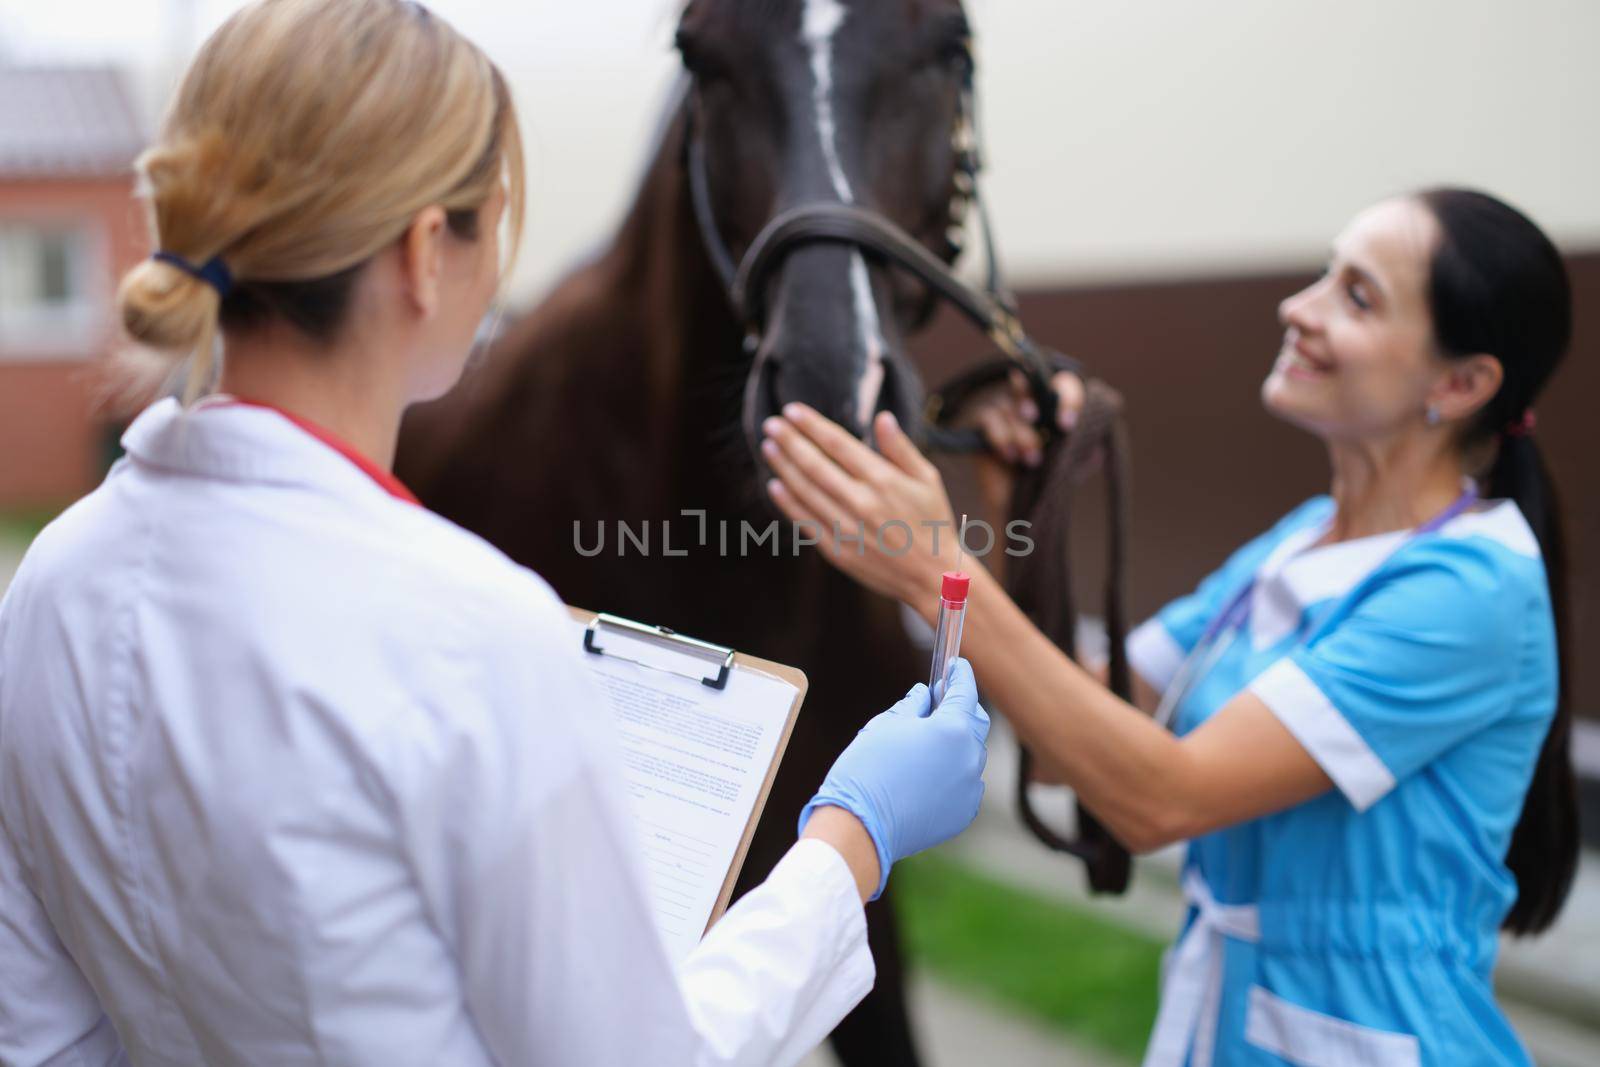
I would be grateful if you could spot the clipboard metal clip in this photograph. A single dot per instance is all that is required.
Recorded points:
(660, 635)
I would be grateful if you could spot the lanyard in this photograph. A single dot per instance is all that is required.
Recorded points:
(1219, 634)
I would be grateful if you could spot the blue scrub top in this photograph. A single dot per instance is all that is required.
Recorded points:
(1420, 673)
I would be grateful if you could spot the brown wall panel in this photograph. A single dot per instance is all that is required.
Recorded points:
(53, 447)
(1211, 468)
(53, 444)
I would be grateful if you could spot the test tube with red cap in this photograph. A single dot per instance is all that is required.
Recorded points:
(947, 633)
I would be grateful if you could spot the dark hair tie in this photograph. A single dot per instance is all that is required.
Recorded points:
(213, 271)
(1522, 427)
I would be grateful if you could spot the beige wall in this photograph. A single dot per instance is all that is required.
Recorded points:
(1175, 137)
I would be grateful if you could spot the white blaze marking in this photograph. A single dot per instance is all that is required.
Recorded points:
(872, 343)
(819, 21)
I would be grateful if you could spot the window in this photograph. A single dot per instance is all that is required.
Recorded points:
(46, 289)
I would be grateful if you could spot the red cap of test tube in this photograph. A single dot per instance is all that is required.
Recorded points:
(954, 589)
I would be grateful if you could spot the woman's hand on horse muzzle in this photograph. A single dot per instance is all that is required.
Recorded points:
(883, 518)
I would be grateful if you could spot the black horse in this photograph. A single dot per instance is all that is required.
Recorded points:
(623, 396)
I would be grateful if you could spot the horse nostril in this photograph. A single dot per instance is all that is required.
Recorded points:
(810, 378)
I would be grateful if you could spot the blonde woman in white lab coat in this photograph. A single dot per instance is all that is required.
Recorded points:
(293, 771)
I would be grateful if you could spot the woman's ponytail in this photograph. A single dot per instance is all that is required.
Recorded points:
(1498, 286)
(1544, 846)
(170, 311)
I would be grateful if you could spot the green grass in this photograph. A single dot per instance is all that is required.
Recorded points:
(20, 527)
(1070, 969)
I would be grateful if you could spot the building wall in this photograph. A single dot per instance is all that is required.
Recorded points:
(53, 444)
(1168, 138)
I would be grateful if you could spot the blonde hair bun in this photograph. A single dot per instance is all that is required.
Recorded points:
(167, 308)
(304, 138)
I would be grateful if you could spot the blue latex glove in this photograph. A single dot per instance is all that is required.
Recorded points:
(914, 779)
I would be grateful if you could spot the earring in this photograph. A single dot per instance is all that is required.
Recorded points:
(1432, 415)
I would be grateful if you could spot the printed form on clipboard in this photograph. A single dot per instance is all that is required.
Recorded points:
(702, 729)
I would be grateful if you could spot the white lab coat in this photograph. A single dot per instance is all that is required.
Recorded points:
(294, 772)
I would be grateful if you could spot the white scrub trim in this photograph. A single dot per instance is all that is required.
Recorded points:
(1191, 989)
(1281, 597)
(1295, 576)
(1318, 725)
(1155, 654)
(1504, 524)
(1311, 1039)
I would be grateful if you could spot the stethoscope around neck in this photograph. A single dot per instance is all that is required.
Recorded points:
(1220, 633)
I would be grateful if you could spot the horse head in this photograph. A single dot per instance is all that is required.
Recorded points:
(852, 102)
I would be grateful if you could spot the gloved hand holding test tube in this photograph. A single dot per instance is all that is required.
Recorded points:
(952, 614)
(947, 635)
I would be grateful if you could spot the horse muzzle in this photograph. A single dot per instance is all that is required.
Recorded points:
(830, 342)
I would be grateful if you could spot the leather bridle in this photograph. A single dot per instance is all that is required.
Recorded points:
(1041, 583)
(992, 309)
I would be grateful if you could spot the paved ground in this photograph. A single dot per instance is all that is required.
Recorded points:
(955, 1031)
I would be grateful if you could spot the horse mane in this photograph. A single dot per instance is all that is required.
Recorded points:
(666, 119)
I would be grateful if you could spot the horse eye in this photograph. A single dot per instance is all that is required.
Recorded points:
(684, 44)
(951, 38)
(956, 55)
(696, 58)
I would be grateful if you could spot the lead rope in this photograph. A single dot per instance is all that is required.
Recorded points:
(1041, 583)
(1100, 430)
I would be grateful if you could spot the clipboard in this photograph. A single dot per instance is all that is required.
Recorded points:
(711, 665)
